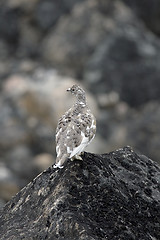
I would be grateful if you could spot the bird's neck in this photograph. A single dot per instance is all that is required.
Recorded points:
(81, 101)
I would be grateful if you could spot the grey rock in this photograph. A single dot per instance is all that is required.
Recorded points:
(8, 184)
(48, 12)
(145, 130)
(126, 61)
(109, 48)
(9, 23)
(20, 161)
(109, 196)
(120, 125)
(151, 14)
(43, 161)
(115, 55)
(75, 38)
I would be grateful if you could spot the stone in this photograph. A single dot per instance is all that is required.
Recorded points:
(8, 184)
(111, 47)
(75, 38)
(43, 161)
(150, 16)
(9, 24)
(125, 60)
(48, 12)
(17, 160)
(108, 196)
(145, 130)
(120, 125)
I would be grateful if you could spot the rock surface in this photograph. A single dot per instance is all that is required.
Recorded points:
(110, 196)
(110, 47)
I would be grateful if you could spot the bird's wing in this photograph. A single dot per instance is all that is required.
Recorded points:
(63, 124)
(87, 124)
(73, 134)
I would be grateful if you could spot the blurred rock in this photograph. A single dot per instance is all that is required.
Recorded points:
(49, 11)
(121, 125)
(113, 52)
(43, 161)
(9, 23)
(144, 134)
(150, 16)
(108, 100)
(75, 37)
(11, 128)
(21, 4)
(127, 61)
(19, 161)
(8, 183)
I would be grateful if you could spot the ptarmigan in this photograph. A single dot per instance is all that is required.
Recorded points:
(75, 130)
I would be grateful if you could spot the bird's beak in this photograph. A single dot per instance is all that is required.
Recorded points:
(68, 90)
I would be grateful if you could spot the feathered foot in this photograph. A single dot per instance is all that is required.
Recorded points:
(78, 157)
(57, 166)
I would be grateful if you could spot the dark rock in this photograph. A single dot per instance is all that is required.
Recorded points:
(9, 24)
(108, 47)
(145, 130)
(126, 61)
(8, 184)
(110, 196)
(48, 12)
(121, 125)
(150, 16)
(20, 161)
(75, 37)
(9, 31)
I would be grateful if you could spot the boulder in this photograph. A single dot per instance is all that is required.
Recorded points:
(110, 196)
(151, 14)
(126, 60)
(120, 125)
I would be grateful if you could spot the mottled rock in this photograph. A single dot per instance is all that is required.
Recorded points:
(126, 61)
(43, 161)
(120, 125)
(75, 37)
(109, 48)
(8, 184)
(145, 130)
(19, 160)
(35, 100)
(9, 24)
(109, 196)
(51, 10)
(151, 14)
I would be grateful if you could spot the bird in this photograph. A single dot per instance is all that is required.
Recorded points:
(75, 129)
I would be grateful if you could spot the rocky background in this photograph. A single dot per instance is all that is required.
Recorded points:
(110, 47)
(105, 196)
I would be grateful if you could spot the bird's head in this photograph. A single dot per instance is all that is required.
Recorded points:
(76, 90)
(79, 93)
